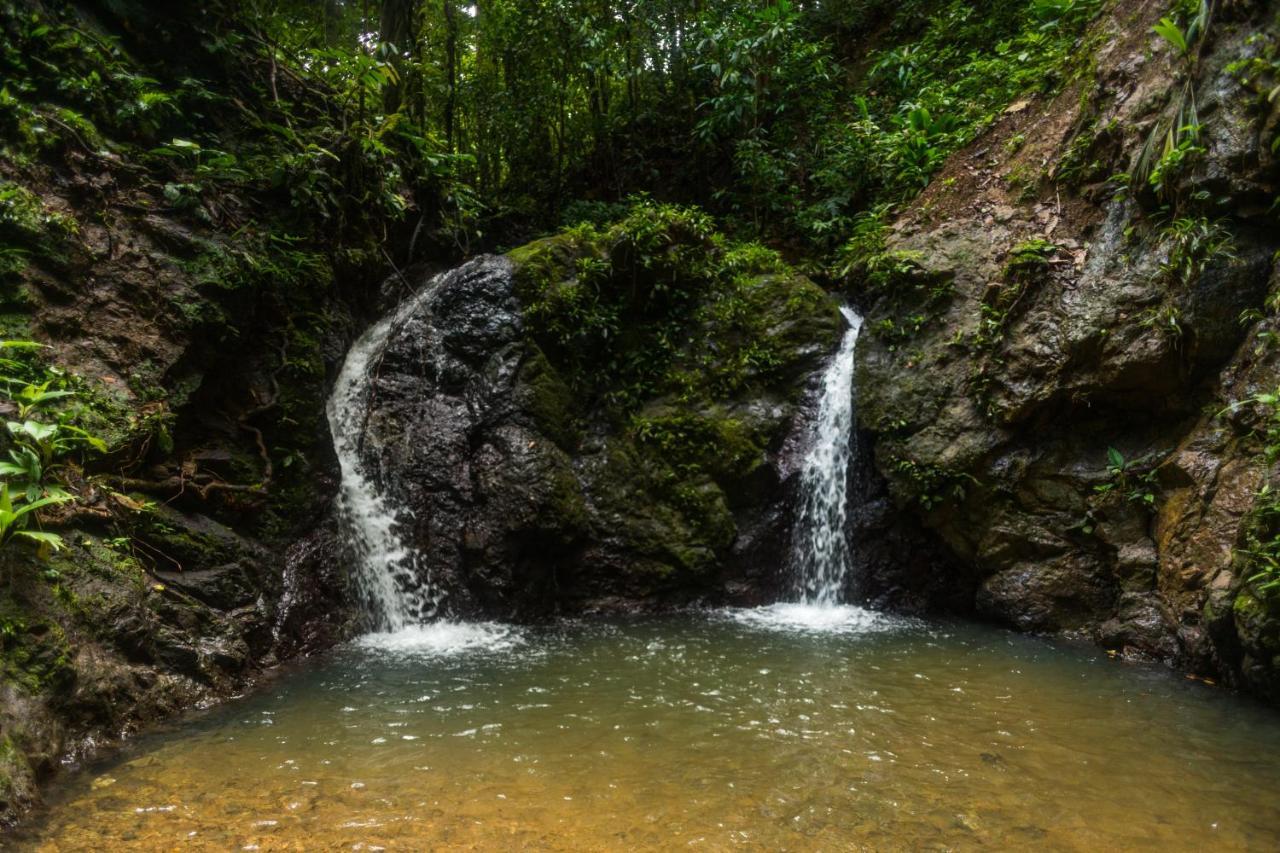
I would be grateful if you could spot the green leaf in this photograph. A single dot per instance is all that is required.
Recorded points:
(58, 497)
(52, 540)
(1114, 458)
(1173, 34)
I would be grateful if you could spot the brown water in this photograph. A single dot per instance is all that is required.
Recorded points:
(706, 732)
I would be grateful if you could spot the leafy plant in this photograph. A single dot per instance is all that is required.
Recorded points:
(931, 485)
(1261, 554)
(17, 516)
(1269, 403)
(40, 438)
(1173, 34)
(1192, 244)
(1135, 480)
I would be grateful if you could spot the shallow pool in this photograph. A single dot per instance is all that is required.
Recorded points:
(784, 728)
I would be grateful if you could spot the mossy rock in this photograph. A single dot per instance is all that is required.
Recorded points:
(549, 400)
(35, 654)
(660, 304)
(668, 361)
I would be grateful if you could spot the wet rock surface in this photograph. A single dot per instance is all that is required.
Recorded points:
(524, 500)
(999, 423)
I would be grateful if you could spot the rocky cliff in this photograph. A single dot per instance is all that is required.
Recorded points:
(1071, 368)
(185, 343)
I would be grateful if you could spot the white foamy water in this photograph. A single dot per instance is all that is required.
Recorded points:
(444, 639)
(802, 618)
(820, 542)
(395, 597)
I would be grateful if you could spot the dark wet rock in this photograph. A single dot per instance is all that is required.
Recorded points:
(526, 497)
(999, 442)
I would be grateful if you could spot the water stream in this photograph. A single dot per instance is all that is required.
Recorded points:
(821, 541)
(385, 575)
(821, 559)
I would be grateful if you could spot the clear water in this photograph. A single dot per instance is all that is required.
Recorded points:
(821, 547)
(781, 728)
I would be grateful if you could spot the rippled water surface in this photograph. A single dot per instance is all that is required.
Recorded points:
(780, 728)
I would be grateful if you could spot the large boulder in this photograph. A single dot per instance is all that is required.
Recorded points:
(607, 418)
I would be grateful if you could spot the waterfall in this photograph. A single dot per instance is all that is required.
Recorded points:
(385, 573)
(820, 544)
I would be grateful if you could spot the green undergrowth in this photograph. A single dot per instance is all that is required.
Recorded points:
(661, 304)
(262, 190)
(947, 72)
(680, 343)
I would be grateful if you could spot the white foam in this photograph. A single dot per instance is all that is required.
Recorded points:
(444, 639)
(814, 618)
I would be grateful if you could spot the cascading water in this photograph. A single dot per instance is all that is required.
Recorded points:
(821, 545)
(393, 594)
(820, 556)
(402, 603)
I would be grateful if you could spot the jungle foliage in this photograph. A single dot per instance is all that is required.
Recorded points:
(462, 123)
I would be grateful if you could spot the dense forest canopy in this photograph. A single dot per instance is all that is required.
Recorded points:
(468, 123)
(770, 113)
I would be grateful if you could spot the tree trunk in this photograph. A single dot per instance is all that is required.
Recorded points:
(396, 29)
(450, 71)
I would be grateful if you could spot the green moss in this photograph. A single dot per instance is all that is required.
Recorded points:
(16, 776)
(706, 511)
(1248, 607)
(110, 560)
(661, 304)
(35, 655)
(695, 443)
(178, 543)
(27, 224)
(567, 507)
(550, 401)
(667, 334)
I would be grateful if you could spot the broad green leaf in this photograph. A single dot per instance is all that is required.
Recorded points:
(1172, 33)
(52, 540)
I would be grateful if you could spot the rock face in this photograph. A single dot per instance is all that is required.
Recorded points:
(1055, 413)
(181, 579)
(527, 493)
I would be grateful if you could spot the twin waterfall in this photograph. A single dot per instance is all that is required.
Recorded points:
(387, 579)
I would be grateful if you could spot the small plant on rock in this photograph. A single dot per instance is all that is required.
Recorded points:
(39, 439)
(1132, 479)
(17, 516)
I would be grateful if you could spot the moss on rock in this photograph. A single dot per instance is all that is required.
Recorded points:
(668, 361)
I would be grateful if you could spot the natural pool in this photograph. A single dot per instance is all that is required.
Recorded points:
(788, 728)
